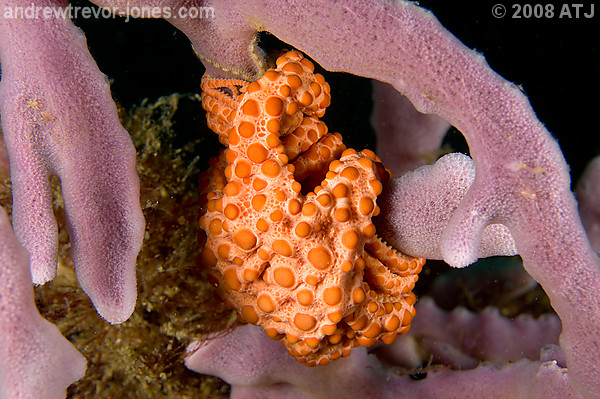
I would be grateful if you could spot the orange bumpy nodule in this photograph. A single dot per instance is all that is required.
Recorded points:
(307, 268)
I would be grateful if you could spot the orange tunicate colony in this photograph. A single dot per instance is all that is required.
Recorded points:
(307, 268)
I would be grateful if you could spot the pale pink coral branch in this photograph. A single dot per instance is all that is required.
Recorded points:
(36, 361)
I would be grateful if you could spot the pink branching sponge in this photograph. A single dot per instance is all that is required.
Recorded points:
(58, 118)
(36, 361)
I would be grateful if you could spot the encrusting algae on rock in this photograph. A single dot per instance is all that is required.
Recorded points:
(309, 269)
(143, 357)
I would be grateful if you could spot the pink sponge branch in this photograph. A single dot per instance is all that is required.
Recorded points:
(482, 337)
(258, 367)
(406, 138)
(58, 117)
(36, 361)
(419, 205)
(482, 344)
(588, 193)
(521, 179)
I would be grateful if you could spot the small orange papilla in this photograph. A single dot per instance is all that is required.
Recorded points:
(309, 269)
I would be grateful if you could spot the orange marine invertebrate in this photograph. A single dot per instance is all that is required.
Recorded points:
(307, 268)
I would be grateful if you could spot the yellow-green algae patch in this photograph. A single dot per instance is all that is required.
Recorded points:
(143, 357)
